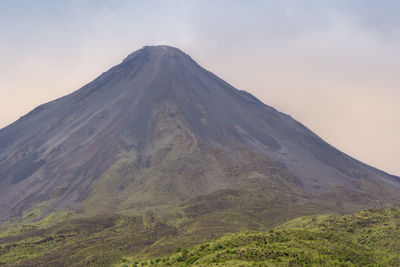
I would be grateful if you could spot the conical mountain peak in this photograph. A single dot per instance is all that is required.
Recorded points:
(163, 49)
(157, 52)
(158, 128)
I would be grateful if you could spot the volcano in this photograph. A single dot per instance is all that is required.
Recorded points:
(158, 130)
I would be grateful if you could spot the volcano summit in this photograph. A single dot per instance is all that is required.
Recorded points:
(159, 131)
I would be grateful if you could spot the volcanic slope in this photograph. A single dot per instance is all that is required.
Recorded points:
(158, 130)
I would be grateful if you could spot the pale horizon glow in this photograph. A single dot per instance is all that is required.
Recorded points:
(332, 65)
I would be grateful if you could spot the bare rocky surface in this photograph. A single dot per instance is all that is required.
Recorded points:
(157, 129)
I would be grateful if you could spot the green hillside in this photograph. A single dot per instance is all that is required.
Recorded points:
(366, 238)
(75, 240)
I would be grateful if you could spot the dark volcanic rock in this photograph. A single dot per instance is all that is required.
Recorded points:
(159, 128)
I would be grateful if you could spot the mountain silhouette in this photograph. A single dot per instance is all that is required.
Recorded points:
(157, 130)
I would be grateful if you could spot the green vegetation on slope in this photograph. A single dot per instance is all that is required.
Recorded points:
(187, 224)
(366, 238)
(31, 221)
(95, 241)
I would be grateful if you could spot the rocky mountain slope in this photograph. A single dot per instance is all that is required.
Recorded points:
(158, 130)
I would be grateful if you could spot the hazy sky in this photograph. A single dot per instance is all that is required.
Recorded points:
(333, 65)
